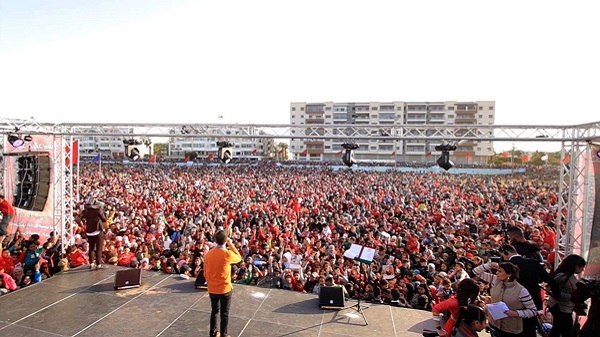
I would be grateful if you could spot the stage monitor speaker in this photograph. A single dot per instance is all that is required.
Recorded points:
(33, 182)
(331, 298)
(128, 278)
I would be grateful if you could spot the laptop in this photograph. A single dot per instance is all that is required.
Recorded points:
(128, 278)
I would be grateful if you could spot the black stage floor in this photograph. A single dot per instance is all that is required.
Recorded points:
(83, 303)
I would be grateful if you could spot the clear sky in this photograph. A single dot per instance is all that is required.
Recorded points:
(191, 61)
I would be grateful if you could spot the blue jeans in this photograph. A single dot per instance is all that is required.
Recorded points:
(222, 302)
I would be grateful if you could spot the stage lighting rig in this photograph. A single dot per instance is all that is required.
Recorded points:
(444, 160)
(225, 151)
(348, 157)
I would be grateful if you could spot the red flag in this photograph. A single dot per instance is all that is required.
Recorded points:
(281, 151)
(468, 156)
(304, 152)
(428, 154)
(393, 153)
(187, 158)
(340, 152)
(567, 159)
(74, 154)
(152, 159)
(210, 156)
(525, 158)
(254, 151)
(505, 155)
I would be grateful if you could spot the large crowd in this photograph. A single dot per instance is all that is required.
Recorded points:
(293, 225)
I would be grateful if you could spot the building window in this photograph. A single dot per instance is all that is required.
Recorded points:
(399, 108)
(293, 109)
(451, 108)
(293, 146)
(302, 109)
(301, 116)
(327, 108)
(491, 108)
(478, 149)
(480, 108)
(490, 116)
(450, 116)
(374, 108)
(327, 116)
(293, 116)
(479, 116)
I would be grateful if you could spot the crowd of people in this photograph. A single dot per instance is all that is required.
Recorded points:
(292, 226)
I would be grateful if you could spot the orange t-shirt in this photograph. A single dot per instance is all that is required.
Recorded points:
(217, 268)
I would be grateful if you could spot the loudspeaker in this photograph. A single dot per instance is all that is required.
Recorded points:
(128, 278)
(331, 298)
(33, 182)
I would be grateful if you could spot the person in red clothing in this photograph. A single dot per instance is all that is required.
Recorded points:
(8, 211)
(217, 272)
(466, 293)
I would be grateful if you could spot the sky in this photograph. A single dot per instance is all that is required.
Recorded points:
(139, 61)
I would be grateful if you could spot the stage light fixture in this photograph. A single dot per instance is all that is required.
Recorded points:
(598, 154)
(348, 157)
(225, 151)
(15, 140)
(444, 161)
(28, 138)
(133, 153)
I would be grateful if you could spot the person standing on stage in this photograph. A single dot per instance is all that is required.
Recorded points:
(8, 211)
(94, 218)
(217, 272)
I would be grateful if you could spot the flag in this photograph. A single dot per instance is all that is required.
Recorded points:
(152, 159)
(304, 152)
(393, 153)
(96, 159)
(187, 158)
(210, 156)
(545, 157)
(567, 159)
(74, 154)
(340, 152)
(468, 156)
(428, 154)
(281, 151)
(525, 158)
(505, 155)
(254, 152)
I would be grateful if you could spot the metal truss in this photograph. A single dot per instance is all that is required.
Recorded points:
(575, 178)
(63, 198)
(431, 132)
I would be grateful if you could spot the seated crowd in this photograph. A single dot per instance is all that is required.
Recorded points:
(292, 226)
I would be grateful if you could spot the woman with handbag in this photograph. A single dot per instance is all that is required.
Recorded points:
(562, 307)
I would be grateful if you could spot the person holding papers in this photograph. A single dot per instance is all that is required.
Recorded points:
(506, 293)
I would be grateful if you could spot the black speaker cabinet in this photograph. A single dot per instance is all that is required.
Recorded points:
(128, 278)
(331, 298)
(32, 182)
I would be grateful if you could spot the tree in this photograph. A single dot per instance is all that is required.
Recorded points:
(191, 154)
(281, 151)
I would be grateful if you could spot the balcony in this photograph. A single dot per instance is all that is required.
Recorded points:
(315, 121)
(463, 120)
(314, 143)
(315, 112)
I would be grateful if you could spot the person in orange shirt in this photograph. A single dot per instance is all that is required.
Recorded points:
(217, 272)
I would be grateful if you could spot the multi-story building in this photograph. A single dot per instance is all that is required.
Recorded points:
(387, 114)
(257, 148)
(108, 146)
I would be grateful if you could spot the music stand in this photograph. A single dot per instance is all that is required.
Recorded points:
(364, 255)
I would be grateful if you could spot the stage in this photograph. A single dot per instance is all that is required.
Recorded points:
(81, 302)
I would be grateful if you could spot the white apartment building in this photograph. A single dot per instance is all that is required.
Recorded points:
(109, 146)
(390, 113)
(257, 148)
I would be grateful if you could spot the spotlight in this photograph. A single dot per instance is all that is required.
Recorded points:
(225, 151)
(133, 153)
(444, 161)
(598, 154)
(15, 140)
(28, 138)
(348, 157)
